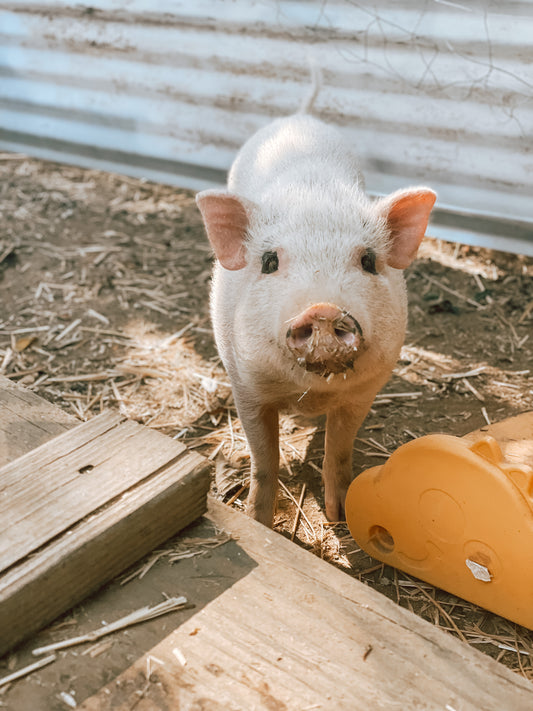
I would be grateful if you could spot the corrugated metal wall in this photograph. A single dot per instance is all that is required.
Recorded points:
(433, 91)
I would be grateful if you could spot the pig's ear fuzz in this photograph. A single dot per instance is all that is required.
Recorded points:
(407, 215)
(226, 219)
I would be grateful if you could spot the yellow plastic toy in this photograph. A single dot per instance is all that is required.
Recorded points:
(455, 514)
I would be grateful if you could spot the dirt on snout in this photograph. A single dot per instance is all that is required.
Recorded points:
(104, 304)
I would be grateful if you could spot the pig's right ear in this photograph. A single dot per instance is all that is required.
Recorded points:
(407, 214)
(226, 220)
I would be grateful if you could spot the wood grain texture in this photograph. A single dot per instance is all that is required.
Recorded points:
(75, 564)
(82, 507)
(58, 484)
(297, 633)
(27, 421)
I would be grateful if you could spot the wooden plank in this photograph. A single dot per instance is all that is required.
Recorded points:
(61, 482)
(200, 578)
(82, 507)
(68, 569)
(26, 420)
(297, 633)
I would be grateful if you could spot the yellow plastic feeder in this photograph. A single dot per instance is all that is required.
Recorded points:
(456, 514)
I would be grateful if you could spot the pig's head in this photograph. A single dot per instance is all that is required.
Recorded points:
(318, 274)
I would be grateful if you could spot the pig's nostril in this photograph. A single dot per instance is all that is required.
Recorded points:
(347, 337)
(300, 335)
(304, 332)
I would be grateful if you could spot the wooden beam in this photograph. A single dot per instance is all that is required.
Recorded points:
(81, 508)
(26, 420)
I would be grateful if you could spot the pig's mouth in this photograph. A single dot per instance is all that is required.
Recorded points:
(328, 367)
(325, 340)
(327, 362)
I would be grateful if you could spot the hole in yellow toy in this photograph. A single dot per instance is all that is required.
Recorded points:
(381, 539)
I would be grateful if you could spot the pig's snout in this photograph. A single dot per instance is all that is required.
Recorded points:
(324, 339)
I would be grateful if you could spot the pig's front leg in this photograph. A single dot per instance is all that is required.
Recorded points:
(261, 427)
(342, 425)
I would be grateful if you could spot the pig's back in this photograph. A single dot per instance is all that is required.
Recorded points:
(298, 149)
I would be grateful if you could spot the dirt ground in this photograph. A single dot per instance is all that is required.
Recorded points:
(104, 304)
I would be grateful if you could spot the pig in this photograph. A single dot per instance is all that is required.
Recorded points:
(308, 298)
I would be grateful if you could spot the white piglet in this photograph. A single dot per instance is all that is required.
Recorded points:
(308, 298)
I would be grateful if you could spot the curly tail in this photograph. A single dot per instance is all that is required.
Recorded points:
(306, 106)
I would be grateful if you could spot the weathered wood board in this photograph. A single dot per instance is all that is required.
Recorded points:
(296, 633)
(26, 420)
(80, 508)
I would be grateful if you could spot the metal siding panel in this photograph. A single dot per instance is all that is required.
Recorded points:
(436, 92)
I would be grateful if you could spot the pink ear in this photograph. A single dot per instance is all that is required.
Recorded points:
(226, 222)
(407, 213)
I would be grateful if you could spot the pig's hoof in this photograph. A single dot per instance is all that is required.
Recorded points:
(335, 509)
(264, 517)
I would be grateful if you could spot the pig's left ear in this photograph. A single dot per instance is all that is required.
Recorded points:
(407, 214)
(226, 219)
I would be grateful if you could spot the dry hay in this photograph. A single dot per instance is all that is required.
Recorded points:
(173, 386)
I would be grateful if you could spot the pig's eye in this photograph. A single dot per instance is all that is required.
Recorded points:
(269, 262)
(368, 261)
